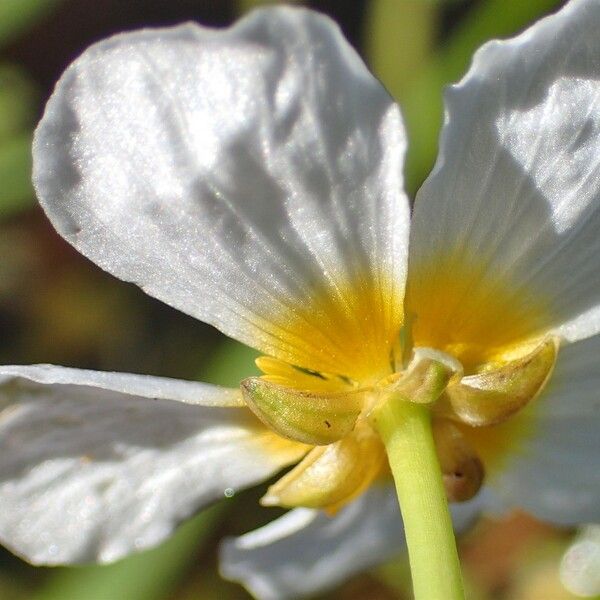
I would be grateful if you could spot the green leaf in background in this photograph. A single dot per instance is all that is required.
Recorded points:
(243, 6)
(151, 575)
(16, 15)
(399, 38)
(421, 101)
(18, 104)
(17, 109)
(18, 101)
(229, 364)
(16, 191)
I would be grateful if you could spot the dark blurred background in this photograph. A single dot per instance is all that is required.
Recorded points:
(57, 307)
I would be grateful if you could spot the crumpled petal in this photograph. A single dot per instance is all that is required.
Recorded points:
(331, 476)
(250, 177)
(97, 466)
(553, 471)
(306, 551)
(505, 229)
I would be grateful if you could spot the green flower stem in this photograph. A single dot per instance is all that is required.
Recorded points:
(405, 428)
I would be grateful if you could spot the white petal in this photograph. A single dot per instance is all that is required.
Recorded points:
(164, 388)
(90, 473)
(305, 551)
(556, 473)
(580, 565)
(237, 175)
(515, 194)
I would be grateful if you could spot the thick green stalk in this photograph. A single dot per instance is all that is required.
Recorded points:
(405, 428)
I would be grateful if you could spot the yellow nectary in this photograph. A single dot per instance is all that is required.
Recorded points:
(346, 329)
(472, 313)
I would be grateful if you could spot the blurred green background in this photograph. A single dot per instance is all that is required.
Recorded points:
(57, 307)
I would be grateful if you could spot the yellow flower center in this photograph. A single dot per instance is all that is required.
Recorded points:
(470, 348)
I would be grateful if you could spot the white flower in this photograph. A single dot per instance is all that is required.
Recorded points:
(252, 178)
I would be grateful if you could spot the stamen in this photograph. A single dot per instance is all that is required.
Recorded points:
(426, 377)
(300, 378)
